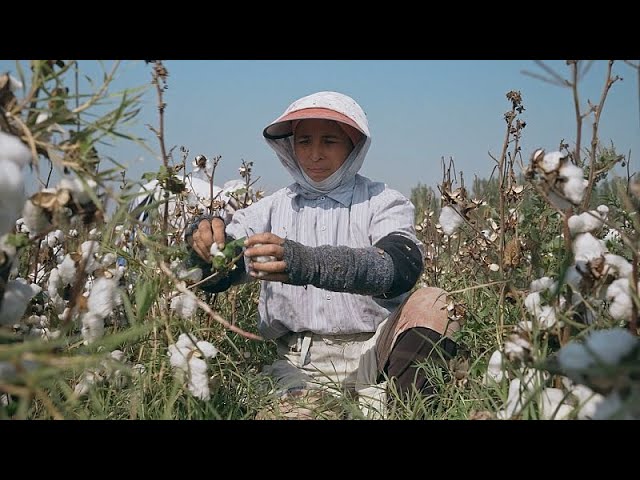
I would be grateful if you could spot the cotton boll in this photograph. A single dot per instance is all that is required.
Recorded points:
(574, 359)
(11, 194)
(67, 270)
(208, 350)
(588, 401)
(184, 305)
(450, 220)
(620, 265)
(553, 406)
(13, 150)
(611, 408)
(533, 303)
(35, 218)
(102, 298)
(575, 184)
(551, 162)
(514, 402)
(621, 308)
(586, 222)
(495, 370)
(542, 284)
(586, 247)
(92, 327)
(76, 187)
(516, 347)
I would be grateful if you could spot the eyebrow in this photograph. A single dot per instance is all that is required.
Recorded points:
(330, 135)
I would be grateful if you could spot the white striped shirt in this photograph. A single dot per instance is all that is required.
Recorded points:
(356, 216)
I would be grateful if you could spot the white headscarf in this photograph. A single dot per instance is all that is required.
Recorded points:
(344, 176)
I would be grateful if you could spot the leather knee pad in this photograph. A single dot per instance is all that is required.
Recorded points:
(412, 347)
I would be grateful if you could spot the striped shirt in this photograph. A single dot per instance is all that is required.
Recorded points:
(356, 216)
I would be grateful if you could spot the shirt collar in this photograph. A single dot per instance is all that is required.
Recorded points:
(343, 194)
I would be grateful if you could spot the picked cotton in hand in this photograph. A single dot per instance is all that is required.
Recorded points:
(262, 259)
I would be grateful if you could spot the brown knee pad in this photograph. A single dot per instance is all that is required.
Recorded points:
(412, 347)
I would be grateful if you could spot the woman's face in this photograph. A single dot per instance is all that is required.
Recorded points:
(321, 147)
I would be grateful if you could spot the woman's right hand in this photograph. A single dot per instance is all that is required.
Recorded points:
(208, 231)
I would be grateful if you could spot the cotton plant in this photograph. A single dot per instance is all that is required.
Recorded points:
(450, 219)
(604, 363)
(185, 305)
(563, 181)
(112, 370)
(102, 300)
(188, 358)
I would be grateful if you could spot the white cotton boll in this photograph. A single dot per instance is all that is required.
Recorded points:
(588, 401)
(450, 220)
(198, 383)
(75, 186)
(514, 402)
(178, 356)
(533, 380)
(541, 284)
(553, 406)
(533, 303)
(516, 347)
(186, 341)
(89, 250)
(208, 350)
(92, 327)
(524, 326)
(11, 195)
(104, 297)
(35, 218)
(54, 283)
(73, 233)
(89, 378)
(619, 264)
(67, 270)
(214, 250)
(611, 345)
(621, 308)
(184, 305)
(495, 369)
(585, 222)
(586, 247)
(108, 259)
(575, 184)
(12, 149)
(547, 317)
(551, 162)
(17, 295)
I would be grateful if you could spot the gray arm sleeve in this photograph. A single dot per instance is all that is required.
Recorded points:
(365, 271)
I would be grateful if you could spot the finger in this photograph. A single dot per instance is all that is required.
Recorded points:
(269, 267)
(205, 234)
(266, 250)
(202, 252)
(271, 238)
(217, 225)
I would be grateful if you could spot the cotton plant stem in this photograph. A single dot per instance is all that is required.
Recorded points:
(183, 289)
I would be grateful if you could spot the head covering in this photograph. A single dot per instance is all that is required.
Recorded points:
(329, 106)
(354, 134)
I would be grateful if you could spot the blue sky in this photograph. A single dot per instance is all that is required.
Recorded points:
(419, 111)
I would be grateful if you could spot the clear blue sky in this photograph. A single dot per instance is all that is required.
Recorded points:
(418, 111)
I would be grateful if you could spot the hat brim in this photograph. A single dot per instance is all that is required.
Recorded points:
(282, 128)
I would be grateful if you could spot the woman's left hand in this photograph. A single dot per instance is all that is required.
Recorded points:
(265, 255)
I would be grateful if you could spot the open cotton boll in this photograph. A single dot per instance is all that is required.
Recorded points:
(516, 347)
(35, 219)
(619, 265)
(103, 297)
(542, 284)
(553, 405)
(514, 402)
(12, 149)
(586, 247)
(75, 186)
(208, 350)
(575, 183)
(621, 308)
(17, 295)
(495, 369)
(67, 270)
(92, 327)
(198, 383)
(588, 401)
(450, 220)
(184, 305)
(586, 222)
(550, 162)
(11, 195)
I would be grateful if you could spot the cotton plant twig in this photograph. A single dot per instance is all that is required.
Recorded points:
(217, 317)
